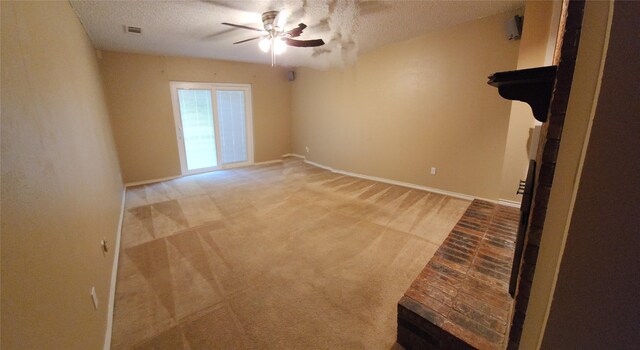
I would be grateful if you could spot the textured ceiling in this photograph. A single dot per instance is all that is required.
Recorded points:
(193, 28)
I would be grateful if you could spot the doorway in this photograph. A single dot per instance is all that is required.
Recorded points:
(214, 125)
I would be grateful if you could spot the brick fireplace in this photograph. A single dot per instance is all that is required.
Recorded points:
(461, 299)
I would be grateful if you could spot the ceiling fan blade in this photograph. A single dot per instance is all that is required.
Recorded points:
(303, 43)
(295, 32)
(243, 27)
(244, 41)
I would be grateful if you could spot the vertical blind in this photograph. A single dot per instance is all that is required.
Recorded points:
(198, 129)
(232, 124)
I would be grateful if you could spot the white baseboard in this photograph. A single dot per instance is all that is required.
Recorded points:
(269, 162)
(114, 273)
(414, 186)
(362, 176)
(326, 167)
(394, 182)
(509, 203)
(293, 155)
(146, 182)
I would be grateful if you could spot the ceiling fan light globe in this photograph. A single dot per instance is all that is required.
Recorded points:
(264, 44)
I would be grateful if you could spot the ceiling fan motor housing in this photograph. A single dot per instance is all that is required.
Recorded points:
(268, 18)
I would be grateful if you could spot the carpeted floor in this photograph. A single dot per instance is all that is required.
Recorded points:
(284, 256)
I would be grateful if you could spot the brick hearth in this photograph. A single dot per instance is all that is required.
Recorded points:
(460, 300)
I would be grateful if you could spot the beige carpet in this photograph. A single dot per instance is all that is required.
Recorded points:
(285, 256)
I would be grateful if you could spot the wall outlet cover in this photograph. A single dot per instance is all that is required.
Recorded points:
(433, 171)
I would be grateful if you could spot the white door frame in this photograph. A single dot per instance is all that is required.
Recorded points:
(213, 87)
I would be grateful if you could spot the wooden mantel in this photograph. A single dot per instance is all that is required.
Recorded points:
(533, 86)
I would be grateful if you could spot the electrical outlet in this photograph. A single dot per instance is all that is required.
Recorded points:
(94, 297)
(307, 148)
(433, 171)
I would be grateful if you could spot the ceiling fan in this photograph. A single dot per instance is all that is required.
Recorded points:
(275, 39)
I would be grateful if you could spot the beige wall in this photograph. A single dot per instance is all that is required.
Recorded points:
(561, 201)
(407, 107)
(61, 187)
(537, 34)
(139, 99)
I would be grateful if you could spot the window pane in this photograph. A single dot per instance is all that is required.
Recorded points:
(233, 133)
(197, 127)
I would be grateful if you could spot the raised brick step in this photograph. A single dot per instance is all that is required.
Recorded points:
(460, 300)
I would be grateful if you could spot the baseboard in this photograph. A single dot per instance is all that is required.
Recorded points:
(362, 176)
(268, 162)
(509, 203)
(414, 186)
(325, 167)
(397, 183)
(114, 273)
(146, 182)
(293, 155)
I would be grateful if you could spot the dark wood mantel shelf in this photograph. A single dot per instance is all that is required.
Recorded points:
(533, 86)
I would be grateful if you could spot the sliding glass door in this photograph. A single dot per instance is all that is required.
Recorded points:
(213, 125)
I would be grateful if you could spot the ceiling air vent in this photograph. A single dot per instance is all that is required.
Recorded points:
(133, 30)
